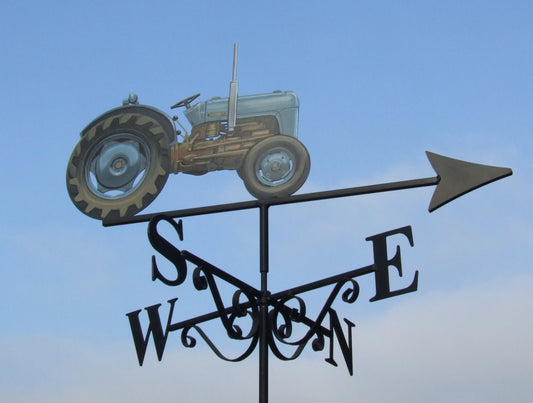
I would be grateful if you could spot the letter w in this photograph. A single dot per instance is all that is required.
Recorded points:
(154, 327)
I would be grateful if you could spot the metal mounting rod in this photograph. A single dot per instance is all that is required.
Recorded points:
(263, 322)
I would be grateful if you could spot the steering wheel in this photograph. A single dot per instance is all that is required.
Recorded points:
(185, 102)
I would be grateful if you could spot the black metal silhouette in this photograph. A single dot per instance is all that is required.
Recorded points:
(273, 317)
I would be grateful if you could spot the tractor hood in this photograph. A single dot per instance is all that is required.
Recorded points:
(281, 104)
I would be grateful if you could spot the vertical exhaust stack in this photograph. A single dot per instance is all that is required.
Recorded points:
(233, 89)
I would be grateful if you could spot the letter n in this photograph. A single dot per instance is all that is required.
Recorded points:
(346, 346)
(154, 327)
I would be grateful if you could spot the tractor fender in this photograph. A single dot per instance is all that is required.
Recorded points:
(143, 111)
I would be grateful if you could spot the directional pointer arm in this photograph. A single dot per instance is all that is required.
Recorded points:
(455, 178)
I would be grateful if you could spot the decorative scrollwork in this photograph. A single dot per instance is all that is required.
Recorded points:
(199, 280)
(351, 294)
(244, 304)
(240, 312)
(290, 316)
(319, 342)
(279, 320)
(190, 342)
(204, 279)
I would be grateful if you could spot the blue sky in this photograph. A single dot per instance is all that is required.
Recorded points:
(379, 83)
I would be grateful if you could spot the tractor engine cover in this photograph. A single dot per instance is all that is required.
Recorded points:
(283, 105)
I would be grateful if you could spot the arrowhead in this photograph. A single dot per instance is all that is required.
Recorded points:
(458, 177)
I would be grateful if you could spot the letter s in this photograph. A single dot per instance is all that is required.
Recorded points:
(168, 250)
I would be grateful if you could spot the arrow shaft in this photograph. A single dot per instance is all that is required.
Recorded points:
(328, 194)
(361, 190)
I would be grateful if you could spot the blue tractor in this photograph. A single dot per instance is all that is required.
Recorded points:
(125, 155)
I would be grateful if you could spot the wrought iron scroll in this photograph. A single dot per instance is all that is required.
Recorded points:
(286, 310)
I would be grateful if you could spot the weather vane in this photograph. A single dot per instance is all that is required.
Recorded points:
(122, 162)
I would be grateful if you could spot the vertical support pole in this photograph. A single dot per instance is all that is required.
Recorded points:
(263, 325)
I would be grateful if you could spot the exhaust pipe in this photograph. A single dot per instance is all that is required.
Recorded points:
(233, 89)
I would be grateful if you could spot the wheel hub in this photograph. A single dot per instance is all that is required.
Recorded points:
(275, 167)
(118, 164)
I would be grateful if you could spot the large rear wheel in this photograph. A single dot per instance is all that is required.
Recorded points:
(275, 167)
(119, 166)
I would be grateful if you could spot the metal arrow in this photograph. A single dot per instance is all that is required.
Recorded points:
(458, 177)
(454, 179)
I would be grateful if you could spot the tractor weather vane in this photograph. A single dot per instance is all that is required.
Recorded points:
(125, 155)
(122, 162)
